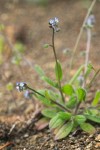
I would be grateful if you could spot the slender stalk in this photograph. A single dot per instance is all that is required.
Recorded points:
(55, 55)
(77, 107)
(87, 52)
(58, 104)
(97, 72)
(80, 33)
(87, 48)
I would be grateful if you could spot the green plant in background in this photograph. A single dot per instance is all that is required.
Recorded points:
(19, 50)
(62, 103)
(38, 2)
(2, 44)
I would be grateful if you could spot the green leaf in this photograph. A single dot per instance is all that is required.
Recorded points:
(87, 128)
(89, 69)
(92, 112)
(1, 44)
(44, 100)
(76, 74)
(96, 99)
(39, 70)
(19, 47)
(58, 71)
(10, 86)
(80, 119)
(64, 115)
(55, 122)
(46, 45)
(50, 113)
(68, 89)
(72, 102)
(64, 130)
(93, 118)
(81, 94)
(51, 95)
(49, 81)
(17, 60)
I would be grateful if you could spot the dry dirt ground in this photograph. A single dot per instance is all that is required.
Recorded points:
(29, 25)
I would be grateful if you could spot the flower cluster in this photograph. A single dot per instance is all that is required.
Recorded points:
(90, 21)
(21, 86)
(54, 24)
(28, 94)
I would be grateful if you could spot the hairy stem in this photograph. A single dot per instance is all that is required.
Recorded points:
(87, 52)
(55, 55)
(97, 72)
(58, 104)
(87, 48)
(77, 107)
(80, 33)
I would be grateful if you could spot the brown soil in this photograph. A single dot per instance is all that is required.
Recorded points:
(29, 25)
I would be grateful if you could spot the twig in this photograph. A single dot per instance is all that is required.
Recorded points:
(80, 33)
(6, 145)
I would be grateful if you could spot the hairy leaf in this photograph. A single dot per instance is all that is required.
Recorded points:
(87, 128)
(50, 113)
(68, 89)
(64, 115)
(93, 118)
(55, 122)
(72, 102)
(96, 99)
(50, 82)
(58, 71)
(81, 94)
(39, 70)
(64, 130)
(76, 75)
(80, 119)
(44, 100)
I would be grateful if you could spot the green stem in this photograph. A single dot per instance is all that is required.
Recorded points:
(89, 85)
(55, 55)
(58, 104)
(77, 107)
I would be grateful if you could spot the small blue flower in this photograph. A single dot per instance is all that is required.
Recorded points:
(21, 86)
(54, 24)
(81, 80)
(90, 21)
(28, 94)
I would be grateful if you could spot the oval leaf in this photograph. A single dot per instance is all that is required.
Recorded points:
(68, 89)
(50, 82)
(96, 99)
(81, 94)
(39, 70)
(64, 131)
(50, 113)
(93, 118)
(87, 128)
(80, 119)
(55, 122)
(64, 115)
(72, 102)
